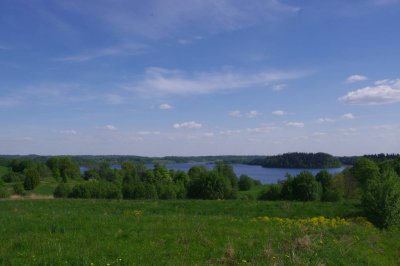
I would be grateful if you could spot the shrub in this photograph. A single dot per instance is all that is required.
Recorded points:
(364, 170)
(210, 185)
(62, 190)
(32, 179)
(305, 187)
(381, 200)
(273, 192)
(4, 192)
(96, 190)
(18, 189)
(245, 183)
(12, 177)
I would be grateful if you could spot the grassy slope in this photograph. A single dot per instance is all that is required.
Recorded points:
(81, 232)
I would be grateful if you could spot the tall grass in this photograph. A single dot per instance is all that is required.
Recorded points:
(82, 232)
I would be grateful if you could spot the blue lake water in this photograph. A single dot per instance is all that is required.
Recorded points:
(264, 175)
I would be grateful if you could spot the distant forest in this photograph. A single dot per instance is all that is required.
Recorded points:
(286, 160)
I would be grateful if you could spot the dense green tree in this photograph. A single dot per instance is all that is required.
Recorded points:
(363, 170)
(210, 185)
(245, 183)
(32, 178)
(62, 190)
(305, 187)
(381, 199)
(272, 192)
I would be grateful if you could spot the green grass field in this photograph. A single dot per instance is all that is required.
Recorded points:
(100, 232)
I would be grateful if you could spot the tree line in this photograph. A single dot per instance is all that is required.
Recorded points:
(298, 160)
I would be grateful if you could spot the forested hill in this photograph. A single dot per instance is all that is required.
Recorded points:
(298, 160)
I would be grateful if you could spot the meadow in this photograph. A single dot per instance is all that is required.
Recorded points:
(190, 232)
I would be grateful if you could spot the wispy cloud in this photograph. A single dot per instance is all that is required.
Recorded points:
(110, 127)
(325, 120)
(348, 116)
(295, 124)
(160, 81)
(9, 102)
(115, 99)
(159, 18)
(249, 114)
(165, 106)
(383, 92)
(279, 113)
(69, 132)
(188, 125)
(236, 113)
(125, 50)
(355, 78)
(252, 114)
(278, 87)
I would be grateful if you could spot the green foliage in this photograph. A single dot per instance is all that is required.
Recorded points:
(96, 190)
(62, 190)
(273, 192)
(305, 187)
(363, 170)
(32, 178)
(245, 183)
(299, 160)
(63, 167)
(18, 189)
(12, 177)
(329, 192)
(210, 185)
(4, 192)
(381, 199)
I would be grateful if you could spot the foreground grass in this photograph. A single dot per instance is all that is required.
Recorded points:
(86, 232)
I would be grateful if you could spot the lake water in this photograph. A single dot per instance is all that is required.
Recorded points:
(264, 175)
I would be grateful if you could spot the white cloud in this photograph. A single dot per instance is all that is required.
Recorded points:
(69, 132)
(356, 78)
(384, 92)
(165, 106)
(160, 81)
(295, 124)
(325, 120)
(110, 127)
(279, 113)
(190, 124)
(348, 116)
(252, 114)
(236, 114)
(278, 87)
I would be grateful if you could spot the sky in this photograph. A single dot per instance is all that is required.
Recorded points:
(199, 77)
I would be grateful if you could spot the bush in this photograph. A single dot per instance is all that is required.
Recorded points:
(305, 187)
(12, 177)
(245, 183)
(381, 200)
(32, 179)
(62, 190)
(4, 192)
(210, 185)
(19, 189)
(273, 192)
(96, 190)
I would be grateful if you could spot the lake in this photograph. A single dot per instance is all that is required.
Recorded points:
(264, 175)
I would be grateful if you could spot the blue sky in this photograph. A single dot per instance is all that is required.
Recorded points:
(199, 77)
